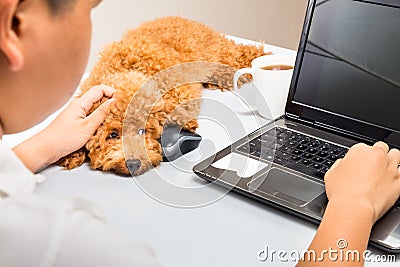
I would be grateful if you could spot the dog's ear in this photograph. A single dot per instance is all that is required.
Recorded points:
(73, 160)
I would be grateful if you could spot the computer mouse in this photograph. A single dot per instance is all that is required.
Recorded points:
(176, 142)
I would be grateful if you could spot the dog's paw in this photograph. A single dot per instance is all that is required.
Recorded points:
(73, 160)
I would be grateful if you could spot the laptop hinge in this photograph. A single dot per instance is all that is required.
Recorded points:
(298, 119)
(343, 132)
(329, 128)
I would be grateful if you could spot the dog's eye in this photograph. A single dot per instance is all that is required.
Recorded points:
(113, 135)
(141, 132)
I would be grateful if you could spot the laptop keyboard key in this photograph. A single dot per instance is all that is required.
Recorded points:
(324, 170)
(295, 158)
(308, 156)
(325, 147)
(315, 144)
(302, 169)
(322, 154)
(280, 141)
(333, 158)
(286, 149)
(294, 138)
(267, 138)
(244, 148)
(301, 147)
(256, 153)
(267, 157)
(321, 174)
(298, 152)
(316, 166)
(304, 142)
(328, 163)
(333, 152)
(283, 155)
(284, 135)
(253, 149)
(292, 143)
(275, 146)
(280, 161)
(305, 162)
(273, 132)
(312, 150)
(319, 160)
(265, 153)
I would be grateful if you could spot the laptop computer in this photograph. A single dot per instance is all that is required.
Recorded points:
(345, 90)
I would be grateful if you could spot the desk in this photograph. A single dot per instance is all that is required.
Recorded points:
(228, 232)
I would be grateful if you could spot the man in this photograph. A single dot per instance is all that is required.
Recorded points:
(44, 46)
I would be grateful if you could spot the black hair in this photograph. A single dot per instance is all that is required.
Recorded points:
(59, 5)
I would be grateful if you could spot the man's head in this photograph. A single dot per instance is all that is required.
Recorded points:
(44, 46)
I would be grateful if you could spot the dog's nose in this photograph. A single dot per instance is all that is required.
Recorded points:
(133, 165)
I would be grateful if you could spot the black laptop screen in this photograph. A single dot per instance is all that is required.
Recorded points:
(350, 65)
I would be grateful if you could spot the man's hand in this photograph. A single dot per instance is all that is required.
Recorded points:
(367, 177)
(361, 188)
(70, 131)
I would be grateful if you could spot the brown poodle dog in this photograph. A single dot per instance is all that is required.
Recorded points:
(128, 140)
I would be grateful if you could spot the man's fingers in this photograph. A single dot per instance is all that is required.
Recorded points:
(96, 118)
(394, 161)
(381, 145)
(336, 164)
(394, 155)
(93, 95)
(394, 158)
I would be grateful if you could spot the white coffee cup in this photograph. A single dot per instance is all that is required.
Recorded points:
(270, 87)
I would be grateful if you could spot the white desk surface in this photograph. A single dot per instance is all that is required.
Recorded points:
(227, 232)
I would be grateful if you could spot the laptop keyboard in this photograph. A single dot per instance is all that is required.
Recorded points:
(295, 150)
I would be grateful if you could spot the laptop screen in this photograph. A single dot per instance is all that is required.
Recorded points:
(348, 69)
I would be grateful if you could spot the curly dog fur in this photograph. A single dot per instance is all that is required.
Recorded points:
(126, 65)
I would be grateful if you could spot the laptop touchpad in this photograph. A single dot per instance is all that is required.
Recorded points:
(287, 186)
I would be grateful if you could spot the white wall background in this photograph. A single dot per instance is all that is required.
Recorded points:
(276, 22)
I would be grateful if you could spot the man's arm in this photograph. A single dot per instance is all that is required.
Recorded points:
(360, 188)
(345, 227)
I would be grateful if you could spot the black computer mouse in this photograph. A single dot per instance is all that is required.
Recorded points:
(176, 142)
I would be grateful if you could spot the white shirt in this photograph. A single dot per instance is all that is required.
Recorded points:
(38, 232)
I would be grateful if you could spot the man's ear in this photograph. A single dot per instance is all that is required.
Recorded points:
(10, 44)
